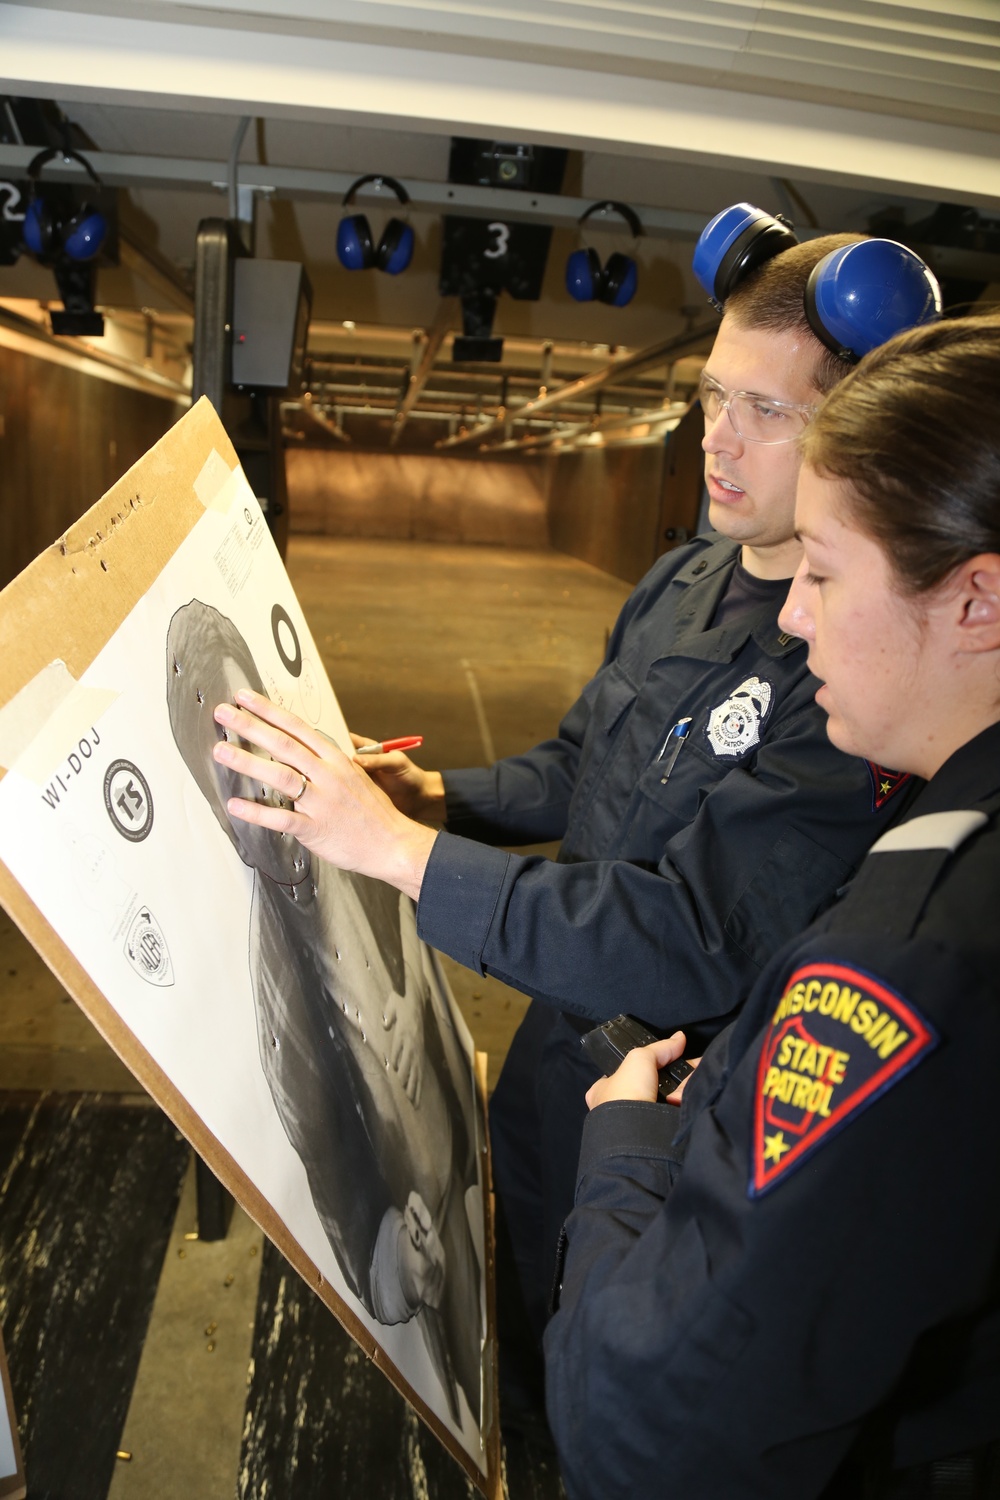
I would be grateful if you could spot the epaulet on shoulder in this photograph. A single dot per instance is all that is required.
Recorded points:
(888, 896)
(943, 830)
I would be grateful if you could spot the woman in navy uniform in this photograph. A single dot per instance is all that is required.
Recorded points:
(795, 1290)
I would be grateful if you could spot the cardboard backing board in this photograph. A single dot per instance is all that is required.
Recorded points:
(12, 1481)
(277, 1010)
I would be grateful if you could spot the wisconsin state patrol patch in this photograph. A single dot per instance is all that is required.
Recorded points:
(838, 1039)
(885, 784)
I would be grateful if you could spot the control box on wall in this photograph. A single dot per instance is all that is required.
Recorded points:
(272, 300)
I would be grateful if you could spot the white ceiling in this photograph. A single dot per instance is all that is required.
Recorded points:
(896, 96)
(832, 112)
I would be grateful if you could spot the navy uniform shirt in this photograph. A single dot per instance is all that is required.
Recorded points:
(813, 1261)
(669, 894)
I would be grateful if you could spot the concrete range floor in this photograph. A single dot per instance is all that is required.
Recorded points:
(480, 650)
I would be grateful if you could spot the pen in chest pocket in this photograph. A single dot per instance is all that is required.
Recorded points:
(671, 747)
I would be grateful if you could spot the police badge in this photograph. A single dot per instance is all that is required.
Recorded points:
(734, 727)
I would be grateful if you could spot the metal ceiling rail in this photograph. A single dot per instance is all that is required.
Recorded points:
(439, 388)
(122, 169)
(461, 378)
(643, 359)
(571, 433)
(447, 313)
(381, 414)
(392, 369)
(320, 418)
(386, 398)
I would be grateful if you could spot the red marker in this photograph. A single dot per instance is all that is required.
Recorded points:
(408, 742)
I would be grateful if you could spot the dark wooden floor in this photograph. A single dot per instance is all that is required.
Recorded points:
(324, 1424)
(89, 1187)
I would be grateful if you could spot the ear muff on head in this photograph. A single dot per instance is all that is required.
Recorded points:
(395, 249)
(858, 297)
(354, 243)
(357, 249)
(736, 242)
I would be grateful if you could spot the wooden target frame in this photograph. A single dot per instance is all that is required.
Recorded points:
(66, 606)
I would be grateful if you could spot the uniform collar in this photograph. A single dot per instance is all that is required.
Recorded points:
(970, 775)
(707, 559)
(704, 579)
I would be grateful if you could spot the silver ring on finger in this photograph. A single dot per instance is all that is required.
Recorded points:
(302, 789)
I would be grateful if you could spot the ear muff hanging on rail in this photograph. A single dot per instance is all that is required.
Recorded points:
(48, 230)
(736, 242)
(357, 249)
(856, 298)
(587, 280)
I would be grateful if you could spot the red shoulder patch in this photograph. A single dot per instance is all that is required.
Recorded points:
(838, 1039)
(885, 784)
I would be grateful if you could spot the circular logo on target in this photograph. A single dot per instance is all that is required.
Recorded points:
(128, 800)
(146, 949)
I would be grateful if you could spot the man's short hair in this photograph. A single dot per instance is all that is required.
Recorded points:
(773, 298)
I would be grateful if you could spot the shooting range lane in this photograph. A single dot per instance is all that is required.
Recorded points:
(393, 622)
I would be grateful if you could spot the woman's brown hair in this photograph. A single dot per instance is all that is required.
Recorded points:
(914, 431)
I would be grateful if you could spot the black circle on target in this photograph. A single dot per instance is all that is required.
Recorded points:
(280, 616)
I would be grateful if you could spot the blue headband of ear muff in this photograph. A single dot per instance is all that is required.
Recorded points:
(858, 297)
(735, 242)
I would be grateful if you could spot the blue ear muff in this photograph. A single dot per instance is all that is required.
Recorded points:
(734, 243)
(356, 247)
(354, 243)
(85, 233)
(858, 297)
(583, 273)
(616, 283)
(619, 280)
(395, 248)
(37, 227)
(46, 232)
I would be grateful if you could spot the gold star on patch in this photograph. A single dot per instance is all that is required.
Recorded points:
(775, 1146)
(885, 788)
